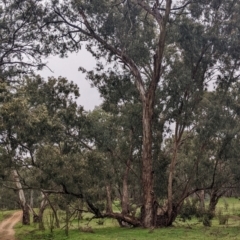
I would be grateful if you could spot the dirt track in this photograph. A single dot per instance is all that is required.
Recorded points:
(6, 226)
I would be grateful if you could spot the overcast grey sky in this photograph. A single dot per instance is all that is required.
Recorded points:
(68, 67)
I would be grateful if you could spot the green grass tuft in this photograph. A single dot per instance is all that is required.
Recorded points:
(5, 214)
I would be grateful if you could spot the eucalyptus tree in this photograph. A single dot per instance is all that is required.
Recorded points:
(33, 111)
(122, 109)
(35, 115)
(224, 143)
(15, 120)
(132, 32)
(113, 136)
(195, 56)
(207, 155)
(20, 30)
(139, 36)
(203, 158)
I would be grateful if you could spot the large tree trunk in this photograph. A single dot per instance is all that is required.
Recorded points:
(22, 199)
(26, 215)
(164, 219)
(147, 214)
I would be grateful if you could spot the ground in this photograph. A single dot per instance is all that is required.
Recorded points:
(6, 226)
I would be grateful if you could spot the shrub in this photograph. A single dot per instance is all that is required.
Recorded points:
(206, 220)
(87, 229)
(190, 209)
(226, 205)
(100, 222)
(222, 219)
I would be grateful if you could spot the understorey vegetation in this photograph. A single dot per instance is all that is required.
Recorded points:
(166, 136)
(224, 225)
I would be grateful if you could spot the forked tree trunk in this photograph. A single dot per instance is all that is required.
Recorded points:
(57, 223)
(38, 218)
(42, 208)
(22, 199)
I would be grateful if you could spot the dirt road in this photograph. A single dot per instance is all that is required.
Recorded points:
(6, 226)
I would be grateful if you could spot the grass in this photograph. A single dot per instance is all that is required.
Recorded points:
(5, 214)
(116, 233)
(110, 230)
(229, 206)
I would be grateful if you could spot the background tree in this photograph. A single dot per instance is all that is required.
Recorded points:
(20, 30)
(47, 111)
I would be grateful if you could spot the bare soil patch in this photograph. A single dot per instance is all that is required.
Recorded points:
(6, 226)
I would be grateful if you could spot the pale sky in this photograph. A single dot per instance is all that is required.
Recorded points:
(68, 67)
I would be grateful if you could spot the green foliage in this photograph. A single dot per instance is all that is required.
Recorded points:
(46, 135)
(109, 230)
(189, 209)
(37, 125)
(20, 49)
(223, 219)
(100, 222)
(124, 26)
(206, 220)
(9, 200)
(5, 214)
